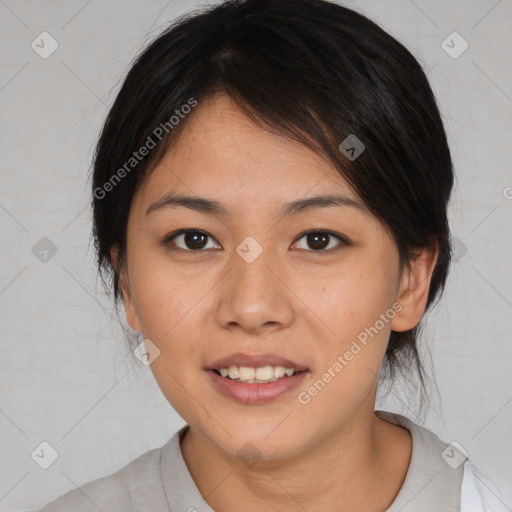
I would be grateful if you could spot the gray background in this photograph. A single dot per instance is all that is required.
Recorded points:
(65, 374)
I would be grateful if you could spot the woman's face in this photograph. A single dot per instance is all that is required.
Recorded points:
(257, 285)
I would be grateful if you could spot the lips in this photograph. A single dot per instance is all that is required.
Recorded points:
(254, 361)
(256, 394)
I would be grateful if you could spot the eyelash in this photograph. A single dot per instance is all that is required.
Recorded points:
(167, 241)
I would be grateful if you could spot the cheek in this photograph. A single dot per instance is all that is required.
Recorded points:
(168, 306)
(349, 359)
(162, 291)
(170, 301)
(351, 304)
(351, 297)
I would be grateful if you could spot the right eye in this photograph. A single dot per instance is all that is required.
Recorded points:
(191, 240)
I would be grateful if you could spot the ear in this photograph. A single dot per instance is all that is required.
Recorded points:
(414, 288)
(126, 292)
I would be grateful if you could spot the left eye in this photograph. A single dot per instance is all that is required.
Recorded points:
(320, 240)
(193, 240)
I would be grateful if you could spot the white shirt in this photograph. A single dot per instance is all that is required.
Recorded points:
(479, 494)
(159, 481)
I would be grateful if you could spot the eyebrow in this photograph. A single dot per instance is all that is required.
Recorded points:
(212, 207)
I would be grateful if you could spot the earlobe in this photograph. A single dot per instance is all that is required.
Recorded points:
(414, 289)
(126, 292)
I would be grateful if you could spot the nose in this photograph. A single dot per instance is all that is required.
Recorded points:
(254, 296)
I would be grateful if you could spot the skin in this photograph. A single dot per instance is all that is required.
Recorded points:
(303, 304)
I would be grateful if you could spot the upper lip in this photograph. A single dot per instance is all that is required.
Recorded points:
(254, 361)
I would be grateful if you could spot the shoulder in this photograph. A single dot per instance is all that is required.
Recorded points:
(140, 481)
(478, 493)
(441, 477)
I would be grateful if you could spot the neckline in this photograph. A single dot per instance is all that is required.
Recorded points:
(430, 483)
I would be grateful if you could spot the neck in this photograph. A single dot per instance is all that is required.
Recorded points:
(360, 465)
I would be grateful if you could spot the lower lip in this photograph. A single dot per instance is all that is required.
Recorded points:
(255, 393)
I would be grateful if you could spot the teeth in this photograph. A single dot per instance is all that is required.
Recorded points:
(233, 372)
(279, 371)
(246, 374)
(264, 373)
(254, 375)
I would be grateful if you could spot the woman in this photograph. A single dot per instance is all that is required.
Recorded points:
(270, 201)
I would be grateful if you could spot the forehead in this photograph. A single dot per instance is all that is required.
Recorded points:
(222, 153)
